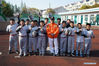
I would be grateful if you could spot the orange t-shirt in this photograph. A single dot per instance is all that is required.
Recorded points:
(52, 28)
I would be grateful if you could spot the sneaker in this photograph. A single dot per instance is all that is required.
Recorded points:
(21, 55)
(56, 55)
(72, 54)
(42, 54)
(25, 55)
(61, 54)
(34, 54)
(64, 54)
(51, 54)
(10, 52)
(30, 53)
(17, 52)
(27, 50)
(84, 55)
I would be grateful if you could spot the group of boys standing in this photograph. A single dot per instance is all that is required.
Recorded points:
(59, 37)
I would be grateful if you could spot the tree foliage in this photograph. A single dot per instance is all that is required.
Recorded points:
(88, 7)
(50, 10)
(34, 11)
(24, 9)
(7, 9)
(16, 9)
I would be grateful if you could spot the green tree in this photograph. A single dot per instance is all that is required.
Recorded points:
(16, 9)
(85, 7)
(94, 6)
(88, 7)
(50, 10)
(7, 9)
(24, 9)
(34, 11)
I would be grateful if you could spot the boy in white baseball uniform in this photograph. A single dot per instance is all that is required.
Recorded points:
(33, 38)
(63, 38)
(80, 39)
(22, 30)
(13, 38)
(71, 38)
(89, 35)
(37, 25)
(42, 39)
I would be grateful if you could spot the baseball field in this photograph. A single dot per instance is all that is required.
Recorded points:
(10, 60)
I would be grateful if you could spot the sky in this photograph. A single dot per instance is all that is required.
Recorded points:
(42, 4)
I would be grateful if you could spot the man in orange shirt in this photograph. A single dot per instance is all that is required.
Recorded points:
(52, 33)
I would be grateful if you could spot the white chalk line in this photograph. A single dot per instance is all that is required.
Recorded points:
(0, 53)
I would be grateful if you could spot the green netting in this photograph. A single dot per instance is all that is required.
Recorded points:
(25, 16)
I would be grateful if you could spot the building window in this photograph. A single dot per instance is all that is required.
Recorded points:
(86, 18)
(92, 19)
(87, 0)
(91, 3)
(72, 18)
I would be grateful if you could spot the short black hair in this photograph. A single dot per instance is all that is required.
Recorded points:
(68, 19)
(22, 20)
(35, 20)
(27, 20)
(41, 21)
(52, 18)
(72, 22)
(63, 22)
(88, 24)
(46, 19)
(59, 19)
(12, 20)
(79, 24)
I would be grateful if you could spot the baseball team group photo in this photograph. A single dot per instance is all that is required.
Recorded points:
(49, 32)
(60, 37)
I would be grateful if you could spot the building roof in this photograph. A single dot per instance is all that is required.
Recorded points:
(80, 11)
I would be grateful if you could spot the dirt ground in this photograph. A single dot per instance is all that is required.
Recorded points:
(10, 60)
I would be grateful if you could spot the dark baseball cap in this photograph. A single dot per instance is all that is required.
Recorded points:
(52, 18)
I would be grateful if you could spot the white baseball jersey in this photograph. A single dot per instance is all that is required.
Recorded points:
(71, 30)
(23, 30)
(89, 34)
(32, 29)
(80, 38)
(12, 28)
(42, 32)
(63, 34)
(28, 25)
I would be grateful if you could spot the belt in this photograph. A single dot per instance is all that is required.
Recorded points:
(13, 34)
(42, 36)
(62, 37)
(71, 35)
(31, 37)
(22, 36)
